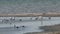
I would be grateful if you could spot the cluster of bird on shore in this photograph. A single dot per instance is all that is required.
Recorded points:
(18, 27)
(8, 20)
(13, 19)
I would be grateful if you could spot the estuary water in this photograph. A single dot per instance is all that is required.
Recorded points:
(29, 6)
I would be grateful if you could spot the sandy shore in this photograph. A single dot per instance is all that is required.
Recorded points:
(55, 32)
(31, 14)
(51, 28)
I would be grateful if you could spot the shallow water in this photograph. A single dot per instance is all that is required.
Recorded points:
(30, 25)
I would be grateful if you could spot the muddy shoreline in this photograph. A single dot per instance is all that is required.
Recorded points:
(54, 29)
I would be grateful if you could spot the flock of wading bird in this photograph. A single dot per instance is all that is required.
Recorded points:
(21, 19)
(17, 27)
(37, 15)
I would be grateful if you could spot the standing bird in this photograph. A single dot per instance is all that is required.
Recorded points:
(49, 18)
(16, 26)
(36, 18)
(20, 19)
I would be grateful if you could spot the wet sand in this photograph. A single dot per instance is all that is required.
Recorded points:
(56, 32)
(51, 28)
(54, 29)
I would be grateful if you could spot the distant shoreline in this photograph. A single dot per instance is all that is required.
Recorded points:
(31, 15)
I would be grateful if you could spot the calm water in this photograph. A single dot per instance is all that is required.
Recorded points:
(30, 25)
(29, 6)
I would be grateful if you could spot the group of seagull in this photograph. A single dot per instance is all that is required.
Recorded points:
(8, 20)
(13, 19)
